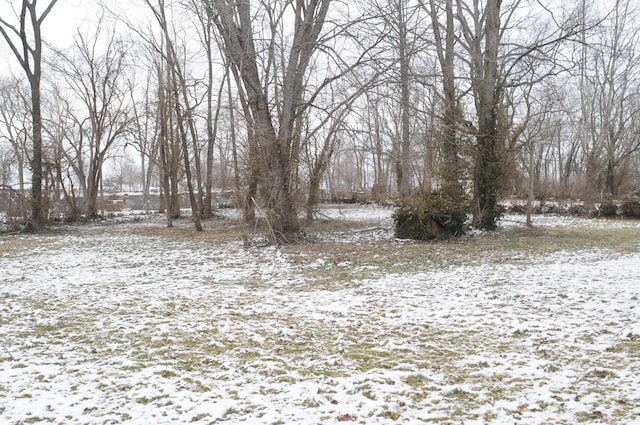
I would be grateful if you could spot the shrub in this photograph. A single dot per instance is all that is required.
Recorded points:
(551, 208)
(608, 208)
(578, 210)
(517, 209)
(630, 208)
(434, 215)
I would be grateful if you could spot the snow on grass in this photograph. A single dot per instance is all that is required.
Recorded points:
(577, 222)
(370, 213)
(113, 325)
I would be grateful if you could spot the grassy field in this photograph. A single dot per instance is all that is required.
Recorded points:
(135, 323)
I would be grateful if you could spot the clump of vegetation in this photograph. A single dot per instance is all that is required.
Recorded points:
(429, 216)
(608, 209)
(578, 211)
(516, 209)
(630, 208)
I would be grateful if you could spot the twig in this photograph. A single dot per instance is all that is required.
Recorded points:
(370, 229)
(266, 218)
(7, 350)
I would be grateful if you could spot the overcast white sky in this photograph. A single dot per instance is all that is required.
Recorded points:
(65, 17)
(58, 28)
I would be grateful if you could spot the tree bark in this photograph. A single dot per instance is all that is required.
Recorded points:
(450, 169)
(488, 171)
(405, 175)
(278, 152)
(30, 58)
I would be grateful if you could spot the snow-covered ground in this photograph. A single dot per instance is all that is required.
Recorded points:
(105, 325)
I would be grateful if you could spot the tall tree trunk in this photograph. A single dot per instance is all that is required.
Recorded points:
(488, 172)
(405, 102)
(166, 200)
(318, 170)
(591, 178)
(165, 195)
(37, 211)
(195, 208)
(182, 134)
(446, 56)
(611, 185)
(182, 114)
(278, 151)
(93, 186)
(212, 125)
(30, 58)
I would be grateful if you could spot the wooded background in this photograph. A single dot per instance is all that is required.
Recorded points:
(287, 103)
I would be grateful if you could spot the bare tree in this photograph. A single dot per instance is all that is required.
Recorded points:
(97, 78)
(205, 14)
(162, 109)
(145, 132)
(609, 100)
(66, 154)
(401, 23)
(277, 145)
(498, 59)
(406, 50)
(25, 41)
(16, 123)
(373, 134)
(183, 110)
(451, 116)
(322, 139)
(482, 41)
(169, 152)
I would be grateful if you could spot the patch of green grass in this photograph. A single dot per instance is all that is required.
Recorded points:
(196, 385)
(457, 393)
(36, 419)
(588, 417)
(250, 355)
(489, 416)
(550, 368)
(167, 373)
(230, 411)
(601, 374)
(200, 417)
(370, 259)
(143, 400)
(283, 377)
(369, 394)
(388, 414)
(310, 403)
(366, 357)
(134, 367)
(416, 381)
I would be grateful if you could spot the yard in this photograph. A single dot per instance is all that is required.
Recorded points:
(134, 323)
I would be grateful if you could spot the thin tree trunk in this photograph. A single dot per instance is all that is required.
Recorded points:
(591, 177)
(405, 102)
(449, 171)
(316, 176)
(164, 160)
